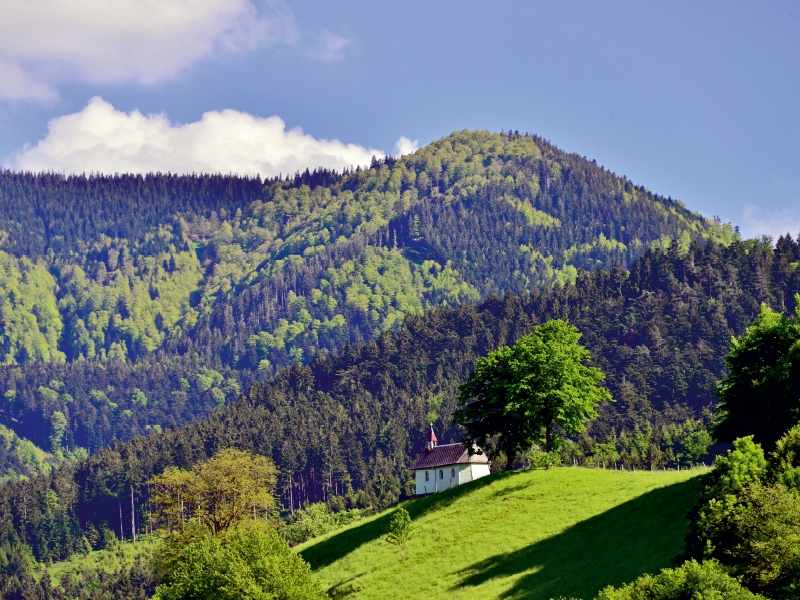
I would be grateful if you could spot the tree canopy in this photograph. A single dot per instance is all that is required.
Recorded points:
(400, 529)
(530, 392)
(249, 562)
(760, 396)
(220, 492)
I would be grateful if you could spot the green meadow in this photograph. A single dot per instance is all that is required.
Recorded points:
(530, 534)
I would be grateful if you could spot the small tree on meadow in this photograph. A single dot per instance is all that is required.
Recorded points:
(400, 529)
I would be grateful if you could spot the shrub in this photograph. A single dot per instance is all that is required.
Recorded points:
(720, 503)
(318, 519)
(765, 540)
(784, 463)
(249, 562)
(701, 581)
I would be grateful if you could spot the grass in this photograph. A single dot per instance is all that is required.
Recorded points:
(531, 534)
(108, 561)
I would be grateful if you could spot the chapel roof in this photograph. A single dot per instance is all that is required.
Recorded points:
(447, 454)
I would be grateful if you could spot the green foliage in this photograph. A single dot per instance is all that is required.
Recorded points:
(433, 405)
(221, 492)
(133, 306)
(58, 425)
(764, 543)
(743, 465)
(521, 393)
(318, 519)
(87, 568)
(784, 462)
(95, 283)
(706, 580)
(661, 357)
(721, 503)
(692, 442)
(381, 284)
(227, 273)
(21, 459)
(749, 525)
(604, 454)
(138, 398)
(759, 396)
(400, 528)
(537, 458)
(251, 562)
(32, 324)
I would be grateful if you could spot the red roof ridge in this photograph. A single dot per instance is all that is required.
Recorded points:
(445, 455)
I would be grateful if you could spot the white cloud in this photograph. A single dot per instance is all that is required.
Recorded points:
(103, 139)
(329, 47)
(406, 146)
(43, 42)
(776, 223)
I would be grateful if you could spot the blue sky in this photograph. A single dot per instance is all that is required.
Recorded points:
(698, 102)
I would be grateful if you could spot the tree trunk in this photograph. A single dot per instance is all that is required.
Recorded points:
(510, 456)
(549, 437)
(133, 516)
(121, 529)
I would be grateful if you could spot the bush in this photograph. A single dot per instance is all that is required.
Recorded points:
(765, 540)
(720, 503)
(784, 463)
(749, 520)
(318, 519)
(250, 562)
(692, 580)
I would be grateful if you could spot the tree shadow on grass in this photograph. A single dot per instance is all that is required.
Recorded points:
(339, 545)
(640, 536)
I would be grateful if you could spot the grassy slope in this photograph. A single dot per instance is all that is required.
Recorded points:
(530, 534)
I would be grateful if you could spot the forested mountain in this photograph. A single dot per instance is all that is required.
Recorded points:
(133, 303)
(355, 418)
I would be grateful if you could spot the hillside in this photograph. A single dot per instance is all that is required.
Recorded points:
(355, 418)
(533, 534)
(135, 303)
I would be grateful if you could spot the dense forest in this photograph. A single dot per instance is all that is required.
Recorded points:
(137, 303)
(350, 422)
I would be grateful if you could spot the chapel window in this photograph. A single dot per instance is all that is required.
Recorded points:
(427, 476)
(441, 474)
(452, 472)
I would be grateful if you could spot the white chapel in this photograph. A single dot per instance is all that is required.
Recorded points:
(446, 466)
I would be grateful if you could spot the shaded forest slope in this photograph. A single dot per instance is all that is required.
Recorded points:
(135, 303)
(356, 418)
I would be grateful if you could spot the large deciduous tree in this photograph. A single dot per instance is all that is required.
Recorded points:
(527, 393)
(220, 493)
(759, 396)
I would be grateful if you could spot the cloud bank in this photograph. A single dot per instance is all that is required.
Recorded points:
(104, 140)
(43, 42)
